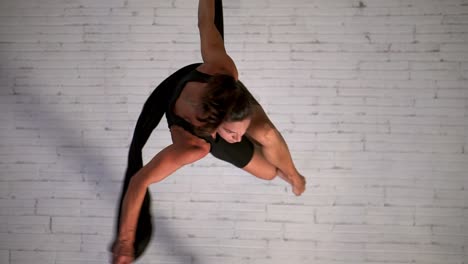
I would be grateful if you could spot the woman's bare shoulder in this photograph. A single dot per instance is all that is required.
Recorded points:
(184, 139)
(213, 69)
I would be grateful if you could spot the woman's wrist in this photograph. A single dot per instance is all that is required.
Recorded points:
(206, 12)
(126, 237)
(123, 248)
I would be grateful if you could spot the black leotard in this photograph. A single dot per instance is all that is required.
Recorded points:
(239, 154)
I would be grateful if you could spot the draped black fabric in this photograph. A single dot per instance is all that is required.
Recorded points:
(150, 116)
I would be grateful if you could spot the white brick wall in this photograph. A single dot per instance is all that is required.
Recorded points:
(371, 95)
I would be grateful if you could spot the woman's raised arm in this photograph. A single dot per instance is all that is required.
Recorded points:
(212, 44)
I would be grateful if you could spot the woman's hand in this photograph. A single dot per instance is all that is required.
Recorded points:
(121, 260)
(122, 252)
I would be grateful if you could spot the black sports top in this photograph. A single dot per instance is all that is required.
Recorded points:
(239, 154)
(172, 118)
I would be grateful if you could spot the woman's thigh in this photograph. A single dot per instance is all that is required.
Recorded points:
(259, 166)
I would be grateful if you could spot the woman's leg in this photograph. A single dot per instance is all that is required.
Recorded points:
(275, 149)
(259, 166)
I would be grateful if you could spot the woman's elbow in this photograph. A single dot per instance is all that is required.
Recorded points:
(201, 23)
(193, 154)
(138, 183)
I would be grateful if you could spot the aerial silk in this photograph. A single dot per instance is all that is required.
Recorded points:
(153, 110)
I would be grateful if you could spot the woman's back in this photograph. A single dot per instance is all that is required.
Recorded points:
(185, 106)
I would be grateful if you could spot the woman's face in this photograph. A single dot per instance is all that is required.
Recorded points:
(233, 131)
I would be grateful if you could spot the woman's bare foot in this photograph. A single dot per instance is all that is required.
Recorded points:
(297, 183)
(283, 176)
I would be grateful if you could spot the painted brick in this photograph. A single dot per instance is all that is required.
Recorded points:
(79, 257)
(23, 257)
(95, 243)
(58, 207)
(233, 211)
(370, 96)
(4, 256)
(25, 224)
(11, 207)
(81, 225)
(42, 242)
(259, 230)
(220, 229)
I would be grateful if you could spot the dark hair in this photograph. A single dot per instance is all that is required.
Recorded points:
(226, 99)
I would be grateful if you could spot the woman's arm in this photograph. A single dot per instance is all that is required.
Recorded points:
(183, 151)
(212, 44)
(161, 166)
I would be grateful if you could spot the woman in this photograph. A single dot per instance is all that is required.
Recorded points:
(208, 111)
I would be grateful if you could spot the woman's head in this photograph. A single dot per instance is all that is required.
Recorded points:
(232, 131)
(226, 102)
